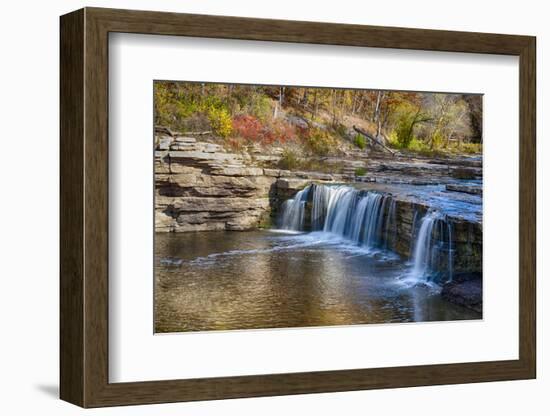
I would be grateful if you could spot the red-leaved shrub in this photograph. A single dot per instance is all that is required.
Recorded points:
(284, 132)
(253, 130)
(248, 127)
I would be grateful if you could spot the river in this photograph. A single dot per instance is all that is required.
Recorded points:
(267, 279)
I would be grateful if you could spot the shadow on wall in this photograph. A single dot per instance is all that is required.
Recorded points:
(51, 390)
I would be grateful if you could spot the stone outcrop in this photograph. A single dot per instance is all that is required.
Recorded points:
(201, 187)
(467, 189)
(465, 290)
(407, 169)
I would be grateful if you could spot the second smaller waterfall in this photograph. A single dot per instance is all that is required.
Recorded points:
(433, 249)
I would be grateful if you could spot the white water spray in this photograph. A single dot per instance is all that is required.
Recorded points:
(358, 216)
(369, 219)
(431, 247)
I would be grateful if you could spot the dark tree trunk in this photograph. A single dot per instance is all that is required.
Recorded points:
(475, 107)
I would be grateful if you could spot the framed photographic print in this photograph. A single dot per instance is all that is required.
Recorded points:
(256, 207)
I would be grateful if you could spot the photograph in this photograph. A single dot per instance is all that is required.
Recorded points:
(280, 206)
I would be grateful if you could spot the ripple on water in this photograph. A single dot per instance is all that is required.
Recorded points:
(234, 280)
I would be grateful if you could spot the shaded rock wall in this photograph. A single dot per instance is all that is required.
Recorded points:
(467, 241)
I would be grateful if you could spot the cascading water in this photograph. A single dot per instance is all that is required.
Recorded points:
(320, 199)
(450, 252)
(391, 224)
(293, 211)
(368, 219)
(361, 217)
(433, 248)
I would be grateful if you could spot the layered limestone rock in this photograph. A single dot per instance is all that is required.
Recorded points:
(201, 187)
(408, 169)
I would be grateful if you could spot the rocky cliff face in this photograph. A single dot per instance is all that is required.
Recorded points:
(201, 187)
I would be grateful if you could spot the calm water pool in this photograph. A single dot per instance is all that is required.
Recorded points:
(262, 279)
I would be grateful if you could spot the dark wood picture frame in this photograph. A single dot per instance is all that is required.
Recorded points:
(84, 207)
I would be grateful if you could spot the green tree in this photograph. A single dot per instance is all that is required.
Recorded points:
(409, 116)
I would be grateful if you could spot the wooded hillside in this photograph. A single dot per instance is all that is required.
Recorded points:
(322, 121)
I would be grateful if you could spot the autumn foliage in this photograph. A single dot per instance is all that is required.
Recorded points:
(248, 127)
(320, 121)
(251, 129)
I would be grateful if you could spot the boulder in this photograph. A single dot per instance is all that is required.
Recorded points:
(208, 214)
(466, 173)
(164, 142)
(467, 293)
(297, 121)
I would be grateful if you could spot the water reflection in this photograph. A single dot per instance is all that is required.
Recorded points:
(244, 280)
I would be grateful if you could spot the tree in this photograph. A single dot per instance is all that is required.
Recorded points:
(410, 116)
(475, 108)
(279, 105)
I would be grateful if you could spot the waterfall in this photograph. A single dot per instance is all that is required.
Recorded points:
(433, 248)
(450, 252)
(293, 211)
(362, 217)
(321, 195)
(368, 219)
(391, 224)
(357, 216)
